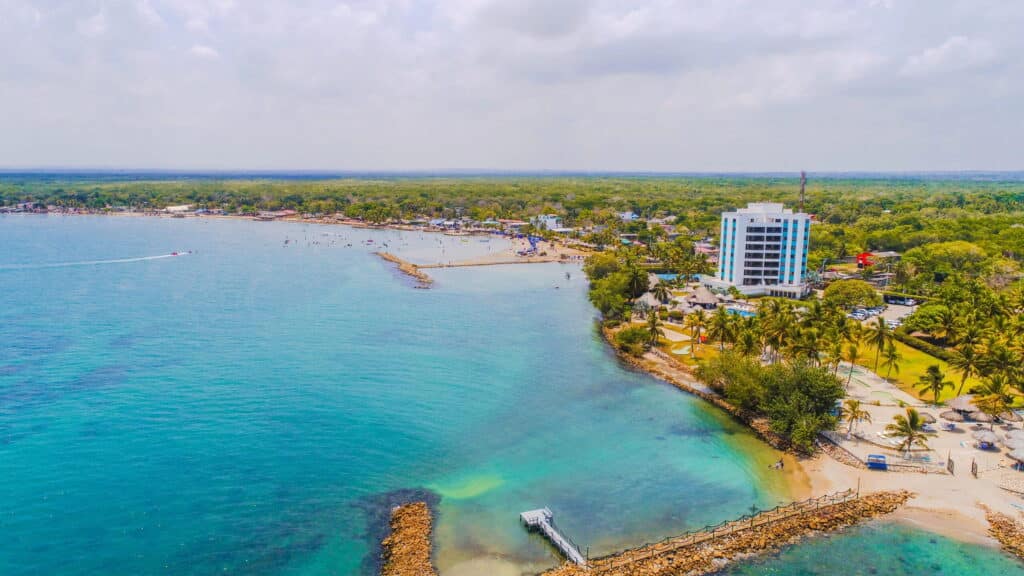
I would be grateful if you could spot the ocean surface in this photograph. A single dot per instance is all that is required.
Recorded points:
(256, 406)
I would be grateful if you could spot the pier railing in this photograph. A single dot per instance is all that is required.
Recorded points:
(727, 528)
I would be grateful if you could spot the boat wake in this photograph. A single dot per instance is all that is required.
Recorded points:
(92, 262)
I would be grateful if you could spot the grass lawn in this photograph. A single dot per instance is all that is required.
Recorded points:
(913, 366)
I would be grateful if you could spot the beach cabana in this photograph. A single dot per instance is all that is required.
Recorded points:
(1018, 455)
(986, 439)
(703, 297)
(1010, 417)
(952, 416)
(963, 403)
(980, 417)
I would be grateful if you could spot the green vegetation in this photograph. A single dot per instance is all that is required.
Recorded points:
(980, 330)
(911, 429)
(850, 294)
(854, 414)
(943, 226)
(798, 398)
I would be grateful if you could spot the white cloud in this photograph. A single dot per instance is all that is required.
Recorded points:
(93, 26)
(956, 53)
(595, 84)
(148, 13)
(204, 51)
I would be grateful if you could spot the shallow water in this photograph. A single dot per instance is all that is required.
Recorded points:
(887, 549)
(248, 407)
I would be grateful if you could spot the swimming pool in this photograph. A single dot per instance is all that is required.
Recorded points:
(741, 312)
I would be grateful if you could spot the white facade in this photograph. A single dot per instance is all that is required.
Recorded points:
(547, 222)
(763, 251)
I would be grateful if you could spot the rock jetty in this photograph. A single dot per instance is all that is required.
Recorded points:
(1009, 532)
(710, 556)
(409, 269)
(407, 548)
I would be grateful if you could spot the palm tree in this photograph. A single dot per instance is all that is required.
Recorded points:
(637, 280)
(721, 327)
(661, 292)
(967, 361)
(998, 359)
(879, 335)
(934, 381)
(696, 321)
(852, 355)
(747, 343)
(835, 353)
(777, 323)
(945, 328)
(993, 396)
(853, 413)
(909, 428)
(891, 360)
(806, 343)
(653, 328)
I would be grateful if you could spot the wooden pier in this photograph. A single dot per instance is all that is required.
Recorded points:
(543, 521)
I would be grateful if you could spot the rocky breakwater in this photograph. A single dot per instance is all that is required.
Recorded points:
(710, 555)
(407, 548)
(409, 269)
(1009, 532)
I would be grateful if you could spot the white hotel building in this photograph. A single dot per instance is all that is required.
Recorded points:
(763, 251)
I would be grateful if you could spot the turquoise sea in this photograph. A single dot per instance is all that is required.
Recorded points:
(255, 407)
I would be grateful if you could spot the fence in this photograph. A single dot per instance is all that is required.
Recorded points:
(726, 528)
(901, 465)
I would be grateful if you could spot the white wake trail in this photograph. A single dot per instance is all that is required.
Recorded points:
(91, 262)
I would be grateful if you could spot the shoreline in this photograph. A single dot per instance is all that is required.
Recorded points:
(940, 503)
(564, 252)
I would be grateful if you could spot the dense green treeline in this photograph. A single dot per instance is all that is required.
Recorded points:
(854, 214)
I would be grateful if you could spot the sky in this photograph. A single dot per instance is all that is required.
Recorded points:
(598, 85)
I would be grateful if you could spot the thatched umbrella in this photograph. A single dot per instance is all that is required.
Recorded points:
(963, 403)
(1010, 417)
(1017, 455)
(980, 417)
(927, 418)
(1014, 443)
(1015, 434)
(952, 416)
(986, 436)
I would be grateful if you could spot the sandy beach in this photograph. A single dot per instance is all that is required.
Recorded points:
(950, 505)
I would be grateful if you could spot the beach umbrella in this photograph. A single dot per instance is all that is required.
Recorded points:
(963, 403)
(980, 417)
(927, 418)
(1014, 443)
(1015, 434)
(952, 416)
(986, 436)
(1017, 455)
(1010, 417)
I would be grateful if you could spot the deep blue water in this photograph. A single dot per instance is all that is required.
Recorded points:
(245, 407)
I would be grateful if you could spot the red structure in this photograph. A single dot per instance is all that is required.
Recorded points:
(864, 260)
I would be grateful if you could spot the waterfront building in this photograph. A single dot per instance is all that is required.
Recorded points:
(548, 222)
(763, 251)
